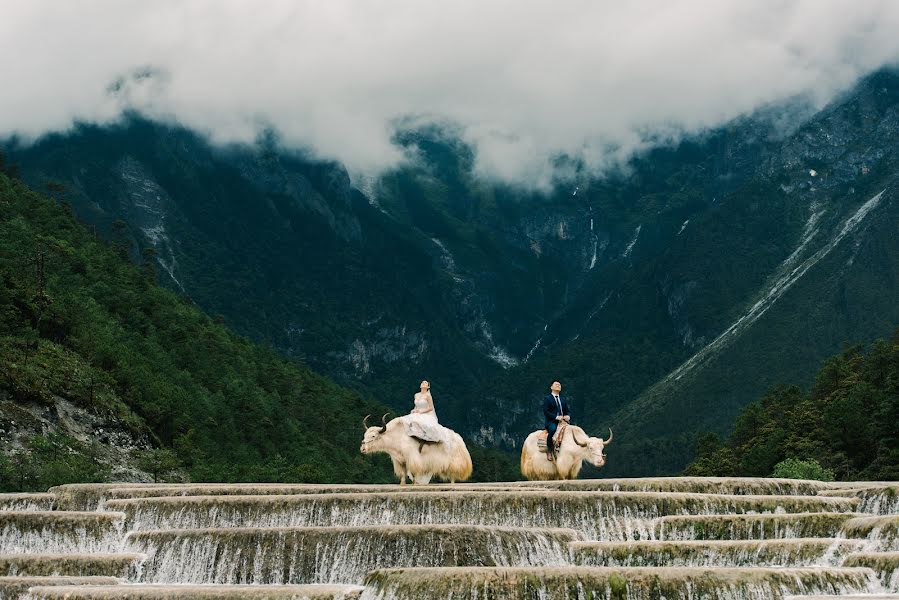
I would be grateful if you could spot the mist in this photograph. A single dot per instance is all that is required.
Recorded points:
(522, 82)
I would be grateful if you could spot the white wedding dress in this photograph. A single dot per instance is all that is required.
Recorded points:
(424, 426)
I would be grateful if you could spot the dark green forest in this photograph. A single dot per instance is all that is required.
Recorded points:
(847, 423)
(80, 322)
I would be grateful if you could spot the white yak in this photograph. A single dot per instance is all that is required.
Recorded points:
(418, 460)
(575, 448)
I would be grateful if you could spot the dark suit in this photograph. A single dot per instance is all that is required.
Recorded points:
(550, 412)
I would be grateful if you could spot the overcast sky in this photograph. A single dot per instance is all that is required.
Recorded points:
(522, 79)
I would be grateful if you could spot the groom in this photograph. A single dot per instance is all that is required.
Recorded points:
(555, 410)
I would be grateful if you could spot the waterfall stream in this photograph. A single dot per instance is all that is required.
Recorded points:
(672, 538)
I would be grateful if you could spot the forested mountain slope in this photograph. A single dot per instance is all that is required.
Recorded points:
(100, 365)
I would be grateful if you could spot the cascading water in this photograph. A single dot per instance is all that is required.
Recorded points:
(885, 564)
(748, 526)
(700, 485)
(672, 538)
(195, 592)
(879, 501)
(335, 554)
(18, 502)
(882, 532)
(598, 582)
(42, 532)
(92, 496)
(715, 553)
(80, 499)
(598, 515)
(121, 565)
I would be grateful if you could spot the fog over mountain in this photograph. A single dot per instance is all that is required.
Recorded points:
(521, 82)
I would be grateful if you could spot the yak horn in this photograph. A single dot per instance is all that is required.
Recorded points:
(384, 421)
(608, 441)
(577, 441)
(365, 422)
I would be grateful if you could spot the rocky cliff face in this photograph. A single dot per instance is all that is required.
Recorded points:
(73, 429)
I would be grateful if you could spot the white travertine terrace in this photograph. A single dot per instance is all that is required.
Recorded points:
(638, 539)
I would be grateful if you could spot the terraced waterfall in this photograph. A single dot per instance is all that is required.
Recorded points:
(608, 539)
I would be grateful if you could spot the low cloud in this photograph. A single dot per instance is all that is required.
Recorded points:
(522, 81)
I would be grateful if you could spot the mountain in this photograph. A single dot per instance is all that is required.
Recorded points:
(833, 186)
(666, 294)
(106, 375)
(284, 249)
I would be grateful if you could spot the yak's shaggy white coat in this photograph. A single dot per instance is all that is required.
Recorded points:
(448, 461)
(576, 447)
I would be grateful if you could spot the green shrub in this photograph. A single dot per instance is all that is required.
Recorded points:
(793, 468)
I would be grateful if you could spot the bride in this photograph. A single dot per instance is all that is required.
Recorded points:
(422, 422)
